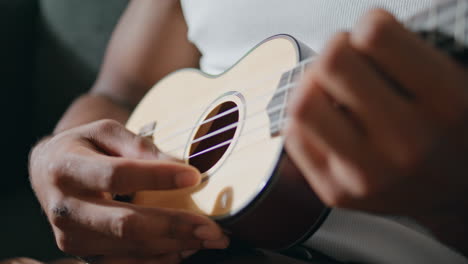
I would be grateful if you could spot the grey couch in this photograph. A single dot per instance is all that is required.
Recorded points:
(50, 52)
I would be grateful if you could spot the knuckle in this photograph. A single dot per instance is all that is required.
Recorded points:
(142, 146)
(59, 170)
(303, 106)
(297, 137)
(125, 225)
(374, 34)
(60, 216)
(55, 170)
(111, 177)
(298, 112)
(333, 58)
(107, 125)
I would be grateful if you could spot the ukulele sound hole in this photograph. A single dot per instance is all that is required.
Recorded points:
(214, 137)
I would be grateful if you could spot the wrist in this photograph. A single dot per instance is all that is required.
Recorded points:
(92, 107)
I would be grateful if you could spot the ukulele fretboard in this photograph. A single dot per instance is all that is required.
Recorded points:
(277, 106)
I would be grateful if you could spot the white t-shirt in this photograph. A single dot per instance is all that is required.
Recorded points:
(225, 30)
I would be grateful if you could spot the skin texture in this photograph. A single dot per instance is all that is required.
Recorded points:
(363, 144)
(378, 150)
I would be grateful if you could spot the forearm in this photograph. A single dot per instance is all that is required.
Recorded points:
(149, 42)
(92, 107)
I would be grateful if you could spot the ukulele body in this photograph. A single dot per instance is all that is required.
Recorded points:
(249, 186)
(225, 126)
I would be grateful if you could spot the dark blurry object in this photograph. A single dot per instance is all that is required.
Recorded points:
(17, 21)
(50, 52)
(71, 40)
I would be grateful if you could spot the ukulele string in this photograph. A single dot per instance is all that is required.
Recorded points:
(434, 22)
(231, 126)
(222, 114)
(240, 147)
(248, 132)
(278, 107)
(185, 130)
(269, 77)
(181, 116)
(431, 22)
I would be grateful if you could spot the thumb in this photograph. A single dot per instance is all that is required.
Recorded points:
(112, 138)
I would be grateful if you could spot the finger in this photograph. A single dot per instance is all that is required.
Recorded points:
(322, 122)
(113, 138)
(125, 228)
(352, 81)
(92, 171)
(82, 239)
(79, 241)
(338, 182)
(430, 76)
(312, 163)
(321, 125)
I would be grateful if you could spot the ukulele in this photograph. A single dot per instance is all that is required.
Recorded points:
(229, 127)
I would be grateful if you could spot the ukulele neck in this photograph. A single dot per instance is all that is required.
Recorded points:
(277, 107)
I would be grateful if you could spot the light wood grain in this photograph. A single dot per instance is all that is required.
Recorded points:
(184, 98)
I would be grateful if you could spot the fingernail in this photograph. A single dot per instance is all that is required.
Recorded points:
(187, 253)
(187, 179)
(216, 244)
(206, 233)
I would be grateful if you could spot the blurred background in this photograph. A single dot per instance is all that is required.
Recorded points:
(50, 52)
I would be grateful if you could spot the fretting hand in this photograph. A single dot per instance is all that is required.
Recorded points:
(73, 174)
(380, 124)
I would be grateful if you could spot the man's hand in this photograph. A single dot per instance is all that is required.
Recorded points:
(381, 124)
(73, 175)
